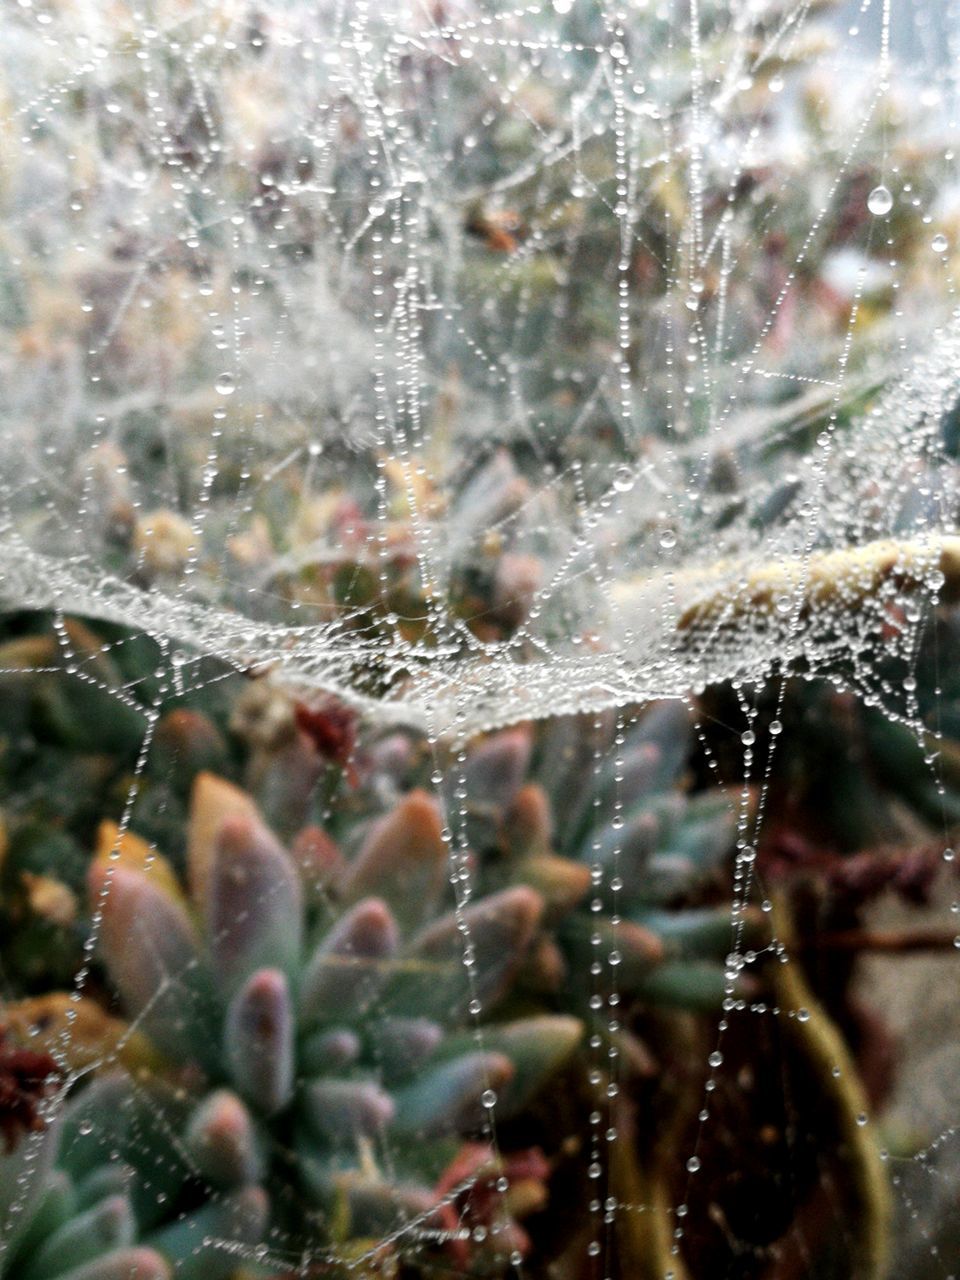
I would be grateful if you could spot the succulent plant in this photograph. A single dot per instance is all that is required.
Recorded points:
(595, 859)
(580, 810)
(634, 861)
(77, 707)
(51, 1224)
(318, 1016)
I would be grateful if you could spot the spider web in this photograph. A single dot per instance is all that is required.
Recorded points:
(482, 364)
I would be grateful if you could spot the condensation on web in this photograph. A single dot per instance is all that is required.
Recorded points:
(477, 362)
(483, 363)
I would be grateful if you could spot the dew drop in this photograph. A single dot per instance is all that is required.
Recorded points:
(225, 385)
(880, 201)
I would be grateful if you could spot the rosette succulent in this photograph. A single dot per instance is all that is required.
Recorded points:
(52, 1224)
(603, 825)
(318, 1023)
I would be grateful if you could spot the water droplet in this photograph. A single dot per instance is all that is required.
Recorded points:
(693, 1164)
(623, 481)
(668, 539)
(225, 385)
(880, 201)
(939, 244)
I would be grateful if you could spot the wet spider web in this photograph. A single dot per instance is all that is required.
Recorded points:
(481, 364)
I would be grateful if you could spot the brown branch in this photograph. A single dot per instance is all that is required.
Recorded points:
(831, 1064)
(731, 589)
(891, 941)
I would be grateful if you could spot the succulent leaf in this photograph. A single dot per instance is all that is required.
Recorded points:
(103, 1227)
(700, 933)
(327, 1052)
(123, 1264)
(347, 969)
(630, 846)
(57, 1206)
(253, 905)
(536, 1047)
(403, 860)
(212, 800)
(129, 850)
(186, 742)
(707, 832)
(698, 986)
(222, 1140)
(113, 1120)
(203, 1245)
(449, 1098)
(341, 1111)
(153, 952)
(107, 1180)
(527, 827)
(23, 1183)
(473, 955)
(259, 1041)
(318, 861)
(379, 1208)
(403, 1045)
(285, 782)
(560, 882)
(636, 952)
(496, 768)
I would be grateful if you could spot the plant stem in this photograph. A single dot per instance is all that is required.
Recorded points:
(730, 589)
(889, 941)
(832, 1066)
(643, 1225)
